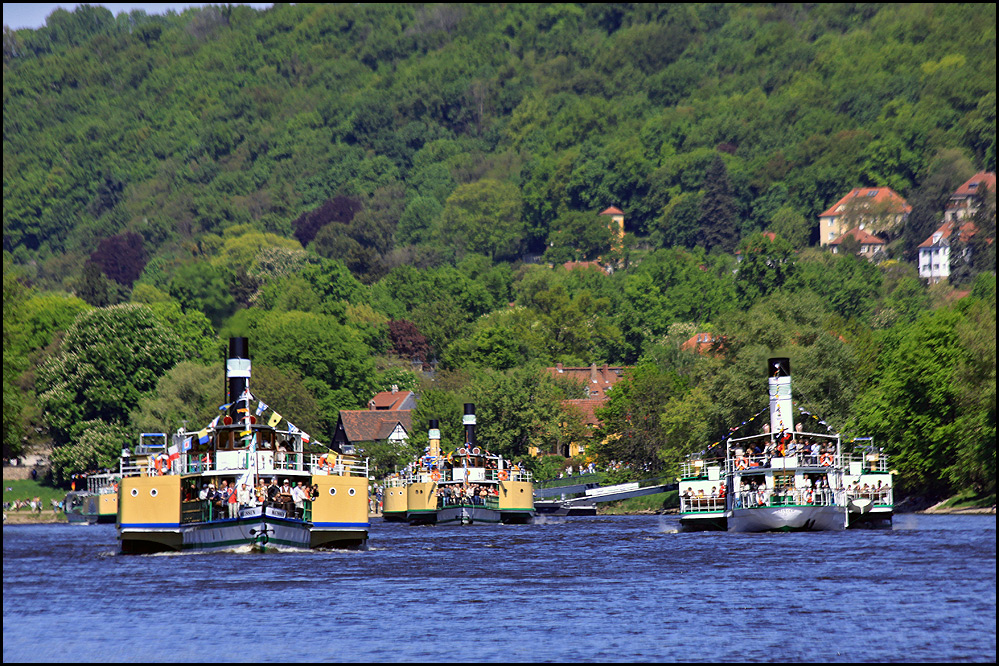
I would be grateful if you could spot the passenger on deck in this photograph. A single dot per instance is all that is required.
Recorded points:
(298, 497)
(244, 496)
(273, 490)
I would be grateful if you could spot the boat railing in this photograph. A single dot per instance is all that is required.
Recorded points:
(228, 461)
(487, 501)
(868, 462)
(756, 499)
(801, 460)
(509, 474)
(338, 465)
(878, 496)
(692, 469)
(701, 504)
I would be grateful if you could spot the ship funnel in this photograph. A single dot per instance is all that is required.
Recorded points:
(779, 388)
(468, 420)
(434, 435)
(237, 371)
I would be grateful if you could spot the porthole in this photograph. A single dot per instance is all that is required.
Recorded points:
(352, 492)
(332, 492)
(153, 492)
(135, 492)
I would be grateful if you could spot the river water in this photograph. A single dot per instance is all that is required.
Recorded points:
(616, 588)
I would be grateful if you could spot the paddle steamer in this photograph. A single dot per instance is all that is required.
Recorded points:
(178, 495)
(97, 504)
(469, 486)
(784, 479)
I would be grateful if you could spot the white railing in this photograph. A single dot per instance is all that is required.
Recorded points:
(878, 496)
(768, 498)
(806, 460)
(701, 504)
(263, 462)
(869, 462)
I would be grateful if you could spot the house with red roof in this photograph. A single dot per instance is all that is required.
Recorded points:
(598, 382)
(869, 243)
(877, 208)
(616, 226)
(388, 418)
(966, 200)
(703, 343)
(934, 252)
(393, 400)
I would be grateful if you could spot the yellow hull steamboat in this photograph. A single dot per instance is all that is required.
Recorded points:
(240, 483)
(97, 504)
(468, 487)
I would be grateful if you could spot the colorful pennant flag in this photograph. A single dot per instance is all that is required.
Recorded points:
(203, 436)
(261, 407)
(274, 420)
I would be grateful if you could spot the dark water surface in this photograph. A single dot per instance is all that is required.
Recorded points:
(628, 588)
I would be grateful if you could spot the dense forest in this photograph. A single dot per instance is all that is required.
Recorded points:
(386, 194)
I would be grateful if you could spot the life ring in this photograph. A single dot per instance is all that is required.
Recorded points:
(435, 475)
(740, 463)
(503, 475)
(826, 459)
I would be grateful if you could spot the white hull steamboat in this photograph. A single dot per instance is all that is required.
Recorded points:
(785, 479)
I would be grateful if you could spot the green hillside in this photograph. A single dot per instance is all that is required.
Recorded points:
(371, 191)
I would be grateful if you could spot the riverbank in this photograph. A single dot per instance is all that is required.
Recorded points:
(32, 518)
(942, 508)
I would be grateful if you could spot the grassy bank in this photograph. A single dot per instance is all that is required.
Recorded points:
(967, 501)
(27, 490)
(645, 504)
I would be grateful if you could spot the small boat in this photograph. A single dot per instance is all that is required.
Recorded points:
(784, 479)
(97, 504)
(219, 488)
(470, 486)
(869, 487)
(565, 508)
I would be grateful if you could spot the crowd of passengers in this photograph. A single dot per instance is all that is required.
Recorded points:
(809, 451)
(227, 499)
(812, 493)
(473, 493)
(758, 494)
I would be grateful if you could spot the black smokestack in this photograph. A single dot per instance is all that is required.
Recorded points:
(469, 422)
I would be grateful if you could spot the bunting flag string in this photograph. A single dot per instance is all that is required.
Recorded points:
(734, 429)
(814, 418)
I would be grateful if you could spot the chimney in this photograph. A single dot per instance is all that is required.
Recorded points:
(779, 389)
(468, 420)
(237, 372)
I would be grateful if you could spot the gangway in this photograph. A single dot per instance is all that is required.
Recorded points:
(592, 494)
